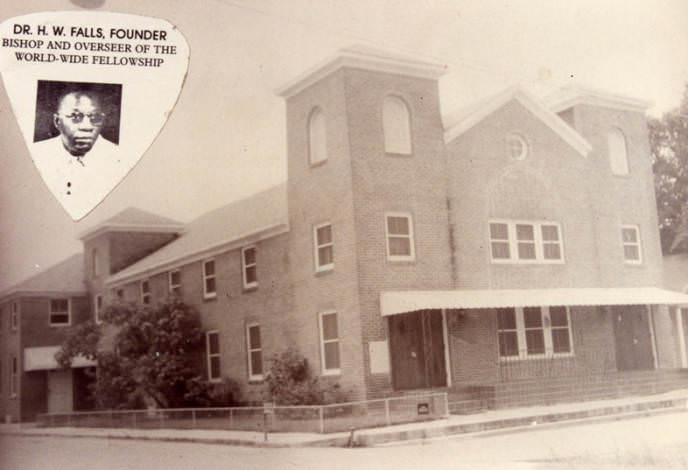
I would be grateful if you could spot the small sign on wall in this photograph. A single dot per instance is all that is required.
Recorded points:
(379, 357)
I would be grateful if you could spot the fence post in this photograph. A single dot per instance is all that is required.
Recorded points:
(322, 419)
(388, 419)
(193, 419)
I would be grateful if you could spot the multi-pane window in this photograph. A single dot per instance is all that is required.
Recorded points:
(630, 237)
(209, 287)
(213, 355)
(396, 124)
(98, 307)
(248, 267)
(525, 242)
(14, 316)
(399, 235)
(59, 312)
(329, 343)
(317, 137)
(145, 292)
(14, 376)
(255, 352)
(175, 282)
(324, 247)
(533, 332)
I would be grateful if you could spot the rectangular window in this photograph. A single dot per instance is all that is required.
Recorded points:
(525, 242)
(630, 237)
(14, 316)
(534, 332)
(213, 355)
(248, 267)
(255, 352)
(120, 294)
(399, 234)
(98, 307)
(329, 343)
(209, 288)
(145, 292)
(14, 376)
(324, 247)
(59, 312)
(95, 263)
(175, 283)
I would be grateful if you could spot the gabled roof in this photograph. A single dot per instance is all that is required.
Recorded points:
(245, 221)
(574, 94)
(133, 219)
(367, 58)
(457, 123)
(64, 278)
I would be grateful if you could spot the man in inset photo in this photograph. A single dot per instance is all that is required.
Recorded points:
(79, 118)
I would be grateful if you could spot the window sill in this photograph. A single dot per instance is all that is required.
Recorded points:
(250, 288)
(324, 272)
(60, 325)
(332, 373)
(255, 380)
(399, 155)
(209, 297)
(317, 164)
(398, 260)
(536, 357)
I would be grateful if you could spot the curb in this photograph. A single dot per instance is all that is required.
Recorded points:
(369, 437)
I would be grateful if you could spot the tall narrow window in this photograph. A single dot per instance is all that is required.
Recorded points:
(525, 239)
(324, 247)
(561, 333)
(175, 280)
(255, 352)
(14, 316)
(209, 287)
(396, 125)
(14, 376)
(145, 292)
(213, 355)
(248, 267)
(507, 332)
(59, 312)
(499, 241)
(98, 307)
(618, 155)
(534, 328)
(317, 137)
(329, 343)
(400, 245)
(630, 238)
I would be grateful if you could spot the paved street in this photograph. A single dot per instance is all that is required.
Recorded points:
(655, 442)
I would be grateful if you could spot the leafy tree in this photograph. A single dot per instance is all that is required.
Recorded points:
(669, 143)
(153, 359)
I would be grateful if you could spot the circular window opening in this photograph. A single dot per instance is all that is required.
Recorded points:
(517, 147)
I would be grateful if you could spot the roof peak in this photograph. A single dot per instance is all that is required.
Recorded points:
(575, 93)
(368, 58)
(133, 219)
(62, 278)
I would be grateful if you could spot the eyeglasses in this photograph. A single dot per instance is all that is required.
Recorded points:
(95, 118)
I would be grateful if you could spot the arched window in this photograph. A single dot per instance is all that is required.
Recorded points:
(396, 124)
(317, 137)
(618, 157)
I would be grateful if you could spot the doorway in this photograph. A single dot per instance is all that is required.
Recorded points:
(60, 391)
(632, 337)
(417, 350)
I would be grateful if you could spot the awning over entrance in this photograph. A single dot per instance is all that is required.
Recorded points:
(43, 358)
(394, 302)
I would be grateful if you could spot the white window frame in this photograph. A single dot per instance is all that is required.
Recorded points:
(323, 341)
(174, 289)
(317, 246)
(410, 237)
(315, 157)
(68, 312)
(14, 376)
(97, 306)
(638, 243)
(547, 328)
(14, 316)
(251, 351)
(206, 277)
(513, 241)
(245, 266)
(618, 162)
(210, 356)
(396, 129)
(145, 294)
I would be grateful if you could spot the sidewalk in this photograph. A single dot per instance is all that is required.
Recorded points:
(505, 420)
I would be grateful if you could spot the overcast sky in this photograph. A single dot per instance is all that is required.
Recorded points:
(226, 137)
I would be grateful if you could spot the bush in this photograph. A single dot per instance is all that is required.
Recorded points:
(291, 382)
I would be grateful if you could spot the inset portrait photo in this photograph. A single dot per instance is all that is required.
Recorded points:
(78, 116)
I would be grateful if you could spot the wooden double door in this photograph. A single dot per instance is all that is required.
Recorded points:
(417, 350)
(633, 337)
